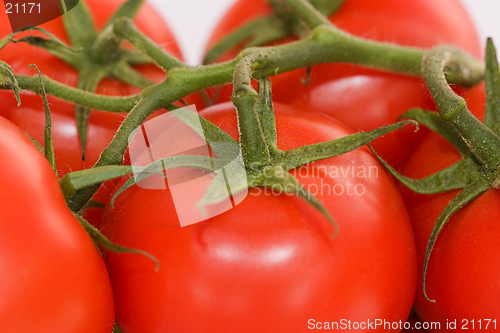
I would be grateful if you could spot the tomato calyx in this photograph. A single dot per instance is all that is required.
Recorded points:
(478, 143)
(97, 55)
(49, 146)
(268, 29)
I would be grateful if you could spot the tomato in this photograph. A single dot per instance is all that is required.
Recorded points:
(52, 278)
(463, 270)
(102, 125)
(363, 98)
(269, 264)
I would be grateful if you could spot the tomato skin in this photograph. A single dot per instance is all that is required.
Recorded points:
(463, 270)
(362, 98)
(52, 278)
(268, 265)
(102, 125)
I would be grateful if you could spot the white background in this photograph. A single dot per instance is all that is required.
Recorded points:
(192, 21)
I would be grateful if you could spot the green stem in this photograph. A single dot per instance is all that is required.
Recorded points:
(125, 28)
(78, 96)
(252, 140)
(307, 12)
(482, 142)
(325, 45)
(106, 47)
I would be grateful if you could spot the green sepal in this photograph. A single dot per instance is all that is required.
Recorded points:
(257, 32)
(79, 26)
(5, 40)
(128, 184)
(49, 145)
(54, 47)
(492, 82)
(231, 179)
(8, 79)
(36, 143)
(74, 181)
(128, 9)
(469, 193)
(454, 177)
(100, 239)
(432, 121)
(88, 80)
(265, 114)
(300, 156)
(157, 167)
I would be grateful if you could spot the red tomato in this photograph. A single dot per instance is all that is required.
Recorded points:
(463, 270)
(269, 264)
(102, 126)
(53, 278)
(365, 99)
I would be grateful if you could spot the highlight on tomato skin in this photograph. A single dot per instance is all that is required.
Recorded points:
(53, 277)
(362, 98)
(269, 264)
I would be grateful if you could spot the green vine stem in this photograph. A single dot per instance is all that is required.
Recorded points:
(77, 96)
(482, 141)
(252, 140)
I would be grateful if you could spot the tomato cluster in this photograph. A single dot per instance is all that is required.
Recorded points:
(270, 264)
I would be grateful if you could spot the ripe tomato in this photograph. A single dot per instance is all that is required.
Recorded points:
(52, 278)
(102, 126)
(269, 264)
(463, 270)
(362, 98)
